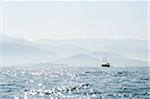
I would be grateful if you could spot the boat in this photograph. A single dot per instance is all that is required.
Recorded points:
(105, 63)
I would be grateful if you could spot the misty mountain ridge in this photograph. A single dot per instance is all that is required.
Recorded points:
(75, 52)
(91, 60)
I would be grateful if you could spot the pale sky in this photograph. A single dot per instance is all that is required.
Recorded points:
(68, 20)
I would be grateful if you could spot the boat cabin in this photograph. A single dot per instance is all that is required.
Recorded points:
(105, 63)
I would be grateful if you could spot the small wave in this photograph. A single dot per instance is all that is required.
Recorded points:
(7, 84)
(122, 73)
(82, 89)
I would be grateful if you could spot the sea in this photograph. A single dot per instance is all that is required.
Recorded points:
(75, 82)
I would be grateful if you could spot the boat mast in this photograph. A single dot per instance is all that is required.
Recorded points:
(104, 59)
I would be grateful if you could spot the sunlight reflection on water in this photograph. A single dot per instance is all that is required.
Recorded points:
(79, 83)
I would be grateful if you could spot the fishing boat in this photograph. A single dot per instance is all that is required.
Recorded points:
(105, 63)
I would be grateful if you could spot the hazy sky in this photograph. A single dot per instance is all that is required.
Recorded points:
(66, 20)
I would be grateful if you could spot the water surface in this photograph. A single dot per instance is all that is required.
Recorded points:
(74, 83)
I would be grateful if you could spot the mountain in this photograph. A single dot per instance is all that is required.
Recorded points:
(127, 48)
(87, 61)
(8, 39)
(76, 52)
(79, 60)
(69, 49)
(105, 54)
(135, 49)
(61, 48)
(16, 51)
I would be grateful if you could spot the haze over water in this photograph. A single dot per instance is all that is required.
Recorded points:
(54, 50)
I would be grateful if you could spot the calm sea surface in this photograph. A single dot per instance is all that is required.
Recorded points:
(75, 83)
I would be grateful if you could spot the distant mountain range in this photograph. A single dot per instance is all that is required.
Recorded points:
(74, 52)
(88, 60)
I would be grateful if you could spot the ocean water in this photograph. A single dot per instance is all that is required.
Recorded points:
(74, 83)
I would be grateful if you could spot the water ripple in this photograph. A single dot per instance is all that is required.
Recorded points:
(87, 83)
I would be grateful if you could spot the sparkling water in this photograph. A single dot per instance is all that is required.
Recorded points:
(74, 83)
